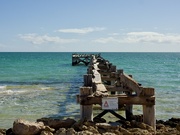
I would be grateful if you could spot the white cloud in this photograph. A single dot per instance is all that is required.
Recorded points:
(82, 30)
(152, 37)
(106, 40)
(37, 39)
(142, 37)
(113, 34)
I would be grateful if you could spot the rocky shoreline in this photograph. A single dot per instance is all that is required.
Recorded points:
(50, 126)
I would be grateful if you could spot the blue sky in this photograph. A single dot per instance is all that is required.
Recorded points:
(90, 26)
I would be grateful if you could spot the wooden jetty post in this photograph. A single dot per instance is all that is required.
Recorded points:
(121, 87)
(86, 111)
(149, 110)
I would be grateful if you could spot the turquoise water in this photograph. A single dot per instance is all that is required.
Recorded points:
(35, 85)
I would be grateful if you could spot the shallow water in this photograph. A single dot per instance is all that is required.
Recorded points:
(35, 85)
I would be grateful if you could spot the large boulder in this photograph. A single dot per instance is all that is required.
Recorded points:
(57, 123)
(2, 131)
(23, 127)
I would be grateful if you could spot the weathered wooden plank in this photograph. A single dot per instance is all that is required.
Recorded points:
(113, 68)
(147, 92)
(136, 100)
(97, 76)
(102, 66)
(95, 66)
(115, 88)
(108, 78)
(101, 87)
(129, 82)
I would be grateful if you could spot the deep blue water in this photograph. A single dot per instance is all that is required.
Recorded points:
(35, 85)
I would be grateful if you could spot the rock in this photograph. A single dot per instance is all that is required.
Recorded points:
(86, 132)
(47, 128)
(115, 124)
(78, 125)
(57, 123)
(141, 125)
(109, 133)
(83, 127)
(89, 123)
(160, 126)
(23, 127)
(138, 131)
(175, 120)
(124, 131)
(9, 131)
(61, 131)
(46, 133)
(106, 126)
(2, 131)
(99, 120)
(93, 130)
(70, 131)
(178, 127)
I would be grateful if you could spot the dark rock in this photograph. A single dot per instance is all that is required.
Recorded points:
(9, 132)
(2, 131)
(46, 133)
(99, 120)
(57, 123)
(61, 131)
(70, 131)
(107, 126)
(78, 126)
(178, 127)
(175, 120)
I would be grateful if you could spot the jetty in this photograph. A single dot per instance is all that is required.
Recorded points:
(112, 90)
(82, 58)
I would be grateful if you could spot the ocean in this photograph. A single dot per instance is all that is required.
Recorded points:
(36, 85)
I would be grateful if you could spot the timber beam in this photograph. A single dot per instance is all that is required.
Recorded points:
(122, 99)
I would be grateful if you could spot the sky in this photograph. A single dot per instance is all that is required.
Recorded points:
(89, 25)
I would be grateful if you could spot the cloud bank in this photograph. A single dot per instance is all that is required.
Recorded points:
(141, 37)
(40, 39)
(115, 38)
(82, 30)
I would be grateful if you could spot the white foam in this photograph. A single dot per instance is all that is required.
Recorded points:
(3, 87)
(9, 92)
(6, 92)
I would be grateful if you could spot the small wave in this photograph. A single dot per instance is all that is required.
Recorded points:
(43, 82)
(46, 88)
(28, 87)
(22, 89)
(6, 92)
(2, 87)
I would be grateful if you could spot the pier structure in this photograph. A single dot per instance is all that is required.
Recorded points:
(82, 58)
(112, 89)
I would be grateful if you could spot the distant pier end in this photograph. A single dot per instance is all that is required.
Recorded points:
(83, 58)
